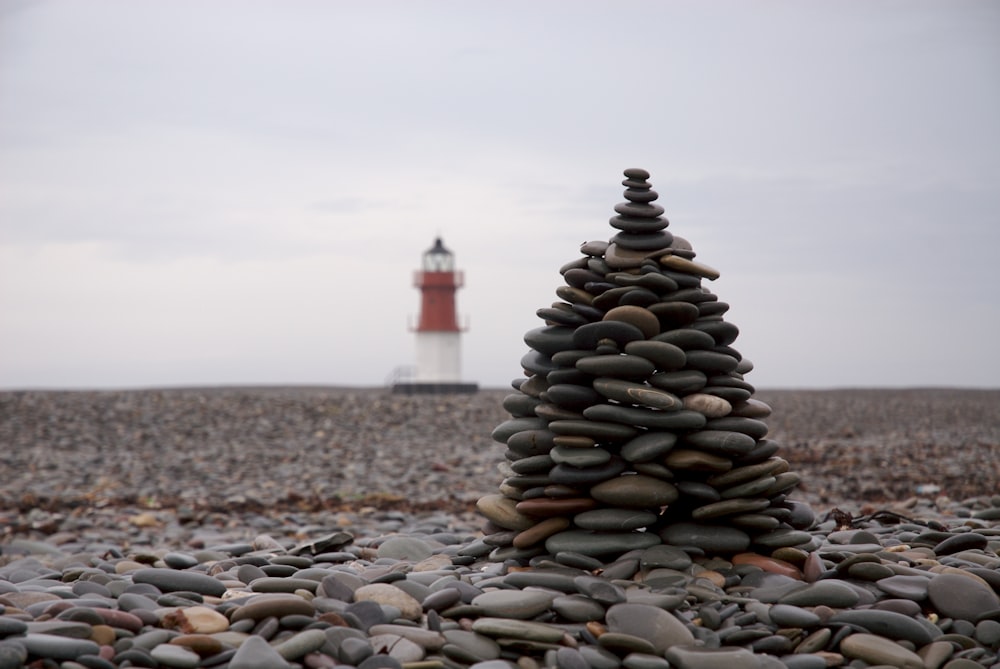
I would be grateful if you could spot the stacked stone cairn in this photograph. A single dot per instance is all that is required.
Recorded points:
(635, 426)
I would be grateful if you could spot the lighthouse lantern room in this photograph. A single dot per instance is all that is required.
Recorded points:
(439, 353)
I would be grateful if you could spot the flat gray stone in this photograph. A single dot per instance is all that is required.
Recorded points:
(833, 593)
(172, 580)
(711, 658)
(878, 650)
(57, 647)
(175, 656)
(958, 596)
(517, 629)
(518, 604)
(614, 519)
(404, 548)
(590, 543)
(786, 615)
(887, 624)
(658, 627)
(709, 538)
(256, 653)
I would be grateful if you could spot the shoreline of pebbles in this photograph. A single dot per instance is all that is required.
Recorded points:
(643, 521)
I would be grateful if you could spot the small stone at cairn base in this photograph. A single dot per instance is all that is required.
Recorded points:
(635, 426)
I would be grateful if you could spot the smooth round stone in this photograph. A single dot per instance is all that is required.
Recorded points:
(614, 519)
(686, 339)
(544, 507)
(711, 658)
(572, 396)
(681, 382)
(869, 571)
(634, 491)
(557, 316)
(651, 623)
(577, 275)
(687, 266)
(175, 656)
(782, 538)
(275, 605)
(654, 281)
(833, 593)
(586, 337)
(729, 507)
(256, 653)
(534, 362)
(708, 405)
(550, 411)
(638, 223)
(550, 339)
(534, 464)
(567, 441)
(746, 473)
(887, 624)
(12, 656)
(580, 457)
(597, 429)
(203, 620)
(959, 596)
(686, 459)
(961, 542)
(578, 608)
(508, 428)
(517, 629)
(623, 643)
(57, 647)
(520, 405)
(709, 538)
(518, 604)
(595, 544)
(721, 442)
(648, 447)
(635, 393)
(673, 316)
(12, 626)
(404, 548)
(628, 367)
(722, 332)
(785, 615)
(667, 357)
(172, 580)
(575, 476)
(176, 560)
(648, 418)
(283, 584)
(502, 511)
(648, 242)
(540, 532)
(641, 318)
(594, 248)
(531, 442)
(381, 661)
(878, 650)
(574, 295)
(389, 595)
(711, 362)
(748, 426)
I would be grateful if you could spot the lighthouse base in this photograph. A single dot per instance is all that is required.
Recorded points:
(435, 388)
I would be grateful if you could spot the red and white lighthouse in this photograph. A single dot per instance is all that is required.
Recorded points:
(439, 351)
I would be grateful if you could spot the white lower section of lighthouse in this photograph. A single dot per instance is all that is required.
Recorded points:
(439, 357)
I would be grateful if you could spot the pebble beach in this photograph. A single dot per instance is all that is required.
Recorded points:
(320, 527)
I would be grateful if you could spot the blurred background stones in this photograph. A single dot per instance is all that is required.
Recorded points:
(210, 459)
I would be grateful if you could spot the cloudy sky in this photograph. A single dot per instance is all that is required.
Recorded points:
(238, 192)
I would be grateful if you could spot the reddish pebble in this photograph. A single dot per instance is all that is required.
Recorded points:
(769, 564)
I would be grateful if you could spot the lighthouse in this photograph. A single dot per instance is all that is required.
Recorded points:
(439, 351)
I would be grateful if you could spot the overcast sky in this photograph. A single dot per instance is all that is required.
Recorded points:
(236, 192)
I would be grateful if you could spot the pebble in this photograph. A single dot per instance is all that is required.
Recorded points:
(644, 577)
